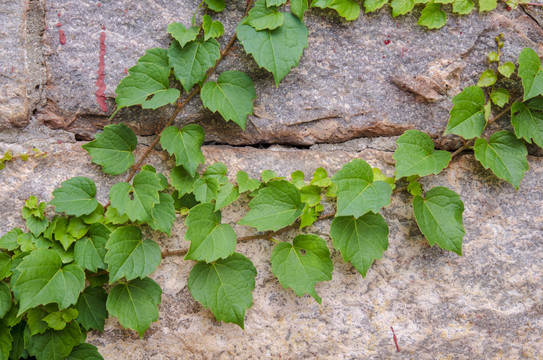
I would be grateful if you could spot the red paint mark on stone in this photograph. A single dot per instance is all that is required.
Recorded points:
(508, 8)
(101, 92)
(403, 51)
(103, 27)
(387, 42)
(12, 69)
(46, 28)
(99, 5)
(61, 37)
(395, 339)
(125, 11)
(59, 24)
(125, 71)
(58, 14)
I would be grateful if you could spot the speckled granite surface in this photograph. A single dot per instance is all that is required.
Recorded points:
(483, 305)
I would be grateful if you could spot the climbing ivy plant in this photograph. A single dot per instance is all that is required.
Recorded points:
(69, 272)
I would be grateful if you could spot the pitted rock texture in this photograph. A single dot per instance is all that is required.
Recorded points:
(376, 76)
(483, 305)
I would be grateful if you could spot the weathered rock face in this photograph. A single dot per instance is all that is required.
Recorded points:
(485, 304)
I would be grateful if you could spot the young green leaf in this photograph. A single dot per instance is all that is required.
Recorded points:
(57, 320)
(129, 256)
(209, 239)
(228, 193)
(301, 271)
(113, 148)
(320, 178)
(348, 9)
(372, 5)
(530, 72)
(215, 5)
(432, 16)
(310, 215)
(54, 344)
(163, 214)
(298, 8)
(297, 179)
(89, 252)
(9, 240)
(245, 183)
(268, 175)
(275, 50)
(224, 287)
(414, 188)
(276, 206)
(505, 155)
(261, 17)
(148, 82)
(462, 7)
(5, 299)
(135, 303)
(439, 216)
(206, 189)
(36, 225)
(185, 144)
(91, 307)
(401, 7)
(361, 241)
(357, 192)
(232, 96)
(527, 120)
(97, 216)
(500, 97)
(84, 352)
(191, 62)
(487, 5)
(415, 155)
(137, 200)
(182, 34)
(182, 181)
(44, 280)
(212, 29)
(507, 69)
(76, 196)
(488, 78)
(311, 195)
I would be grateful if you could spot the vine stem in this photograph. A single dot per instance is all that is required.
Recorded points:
(532, 4)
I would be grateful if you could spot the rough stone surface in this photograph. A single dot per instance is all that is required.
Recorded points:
(485, 304)
(376, 76)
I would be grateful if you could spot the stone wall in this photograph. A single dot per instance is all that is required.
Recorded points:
(358, 86)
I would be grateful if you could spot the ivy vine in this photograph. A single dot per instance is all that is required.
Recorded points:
(68, 273)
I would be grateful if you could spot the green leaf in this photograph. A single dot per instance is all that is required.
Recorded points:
(228, 193)
(414, 188)
(439, 216)
(402, 7)
(113, 148)
(379, 176)
(148, 82)
(224, 287)
(92, 308)
(462, 7)
(206, 189)
(212, 29)
(432, 16)
(137, 200)
(270, 3)
(114, 217)
(182, 181)
(209, 239)
(500, 97)
(5, 341)
(361, 241)
(135, 303)
(5, 267)
(298, 8)
(215, 5)
(530, 72)
(85, 352)
(303, 264)
(415, 155)
(297, 179)
(268, 175)
(310, 215)
(29, 242)
(182, 34)
(311, 195)
(357, 192)
(57, 320)
(232, 96)
(493, 57)
(505, 155)
(276, 206)
(184, 203)
(487, 5)
(18, 347)
(67, 256)
(76, 196)
(320, 178)
(36, 225)
(372, 5)
(44, 280)
(275, 50)
(163, 214)
(191, 62)
(507, 69)
(97, 216)
(5, 299)
(527, 120)
(89, 252)
(261, 17)
(348, 9)
(35, 322)
(245, 183)
(9, 240)
(488, 78)
(77, 228)
(185, 144)
(53, 344)
(130, 257)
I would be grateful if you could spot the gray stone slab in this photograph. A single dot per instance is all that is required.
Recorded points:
(483, 305)
(376, 76)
